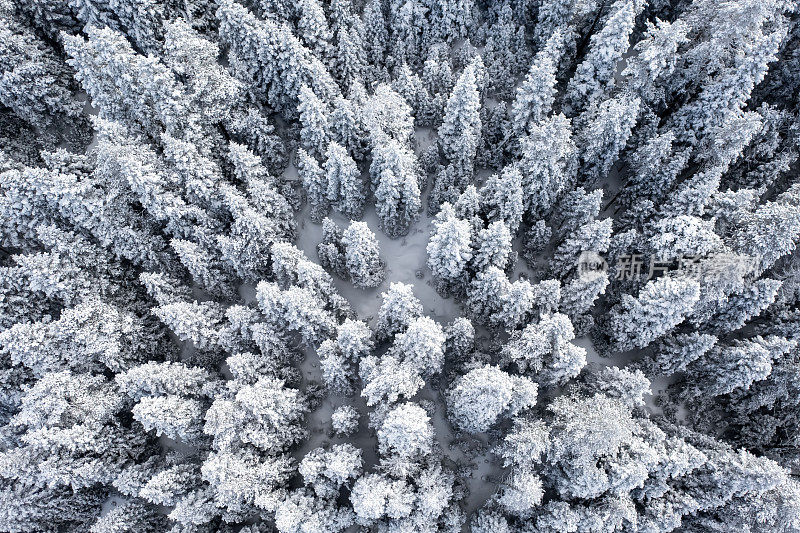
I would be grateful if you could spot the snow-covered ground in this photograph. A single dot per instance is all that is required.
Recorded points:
(405, 260)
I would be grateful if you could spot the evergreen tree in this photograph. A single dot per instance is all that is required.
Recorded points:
(56, 408)
(452, 19)
(204, 268)
(448, 185)
(302, 511)
(376, 39)
(34, 84)
(337, 372)
(675, 352)
(399, 308)
(480, 398)
(594, 77)
(345, 187)
(350, 56)
(347, 126)
(406, 431)
(449, 248)
(141, 92)
(315, 184)
(725, 368)
(506, 52)
(744, 306)
(578, 208)
(655, 59)
(331, 250)
(387, 378)
(315, 133)
(656, 164)
(564, 16)
(314, 29)
(363, 263)
(409, 85)
(386, 112)
(579, 295)
(725, 65)
(493, 247)
(548, 163)
(520, 493)
(327, 471)
(106, 213)
(193, 59)
(344, 420)
(395, 181)
(594, 237)
(605, 128)
(375, 496)
(271, 60)
(459, 134)
(130, 516)
(496, 138)
(460, 338)
(771, 231)
(141, 21)
(90, 337)
(502, 199)
(192, 321)
(535, 97)
(684, 236)
(487, 293)
(266, 415)
(437, 72)
(259, 134)
(661, 305)
(410, 32)
(544, 350)
(174, 417)
(421, 345)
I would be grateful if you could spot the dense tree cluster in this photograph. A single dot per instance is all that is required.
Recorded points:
(608, 192)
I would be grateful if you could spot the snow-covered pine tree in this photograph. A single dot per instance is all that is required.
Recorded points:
(594, 77)
(315, 184)
(450, 248)
(477, 400)
(395, 180)
(548, 163)
(266, 55)
(660, 306)
(535, 97)
(459, 134)
(315, 133)
(35, 85)
(345, 187)
(502, 198)
(605, 128)
(399, 308)
(493, 247)
(506, 53)
(313, 28)
(361, 256)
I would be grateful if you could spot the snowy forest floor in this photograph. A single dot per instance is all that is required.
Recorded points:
(406, 262)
